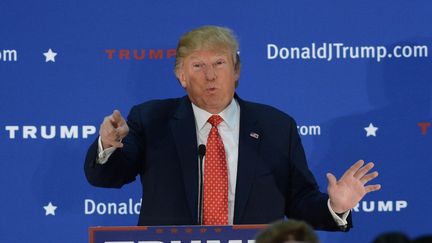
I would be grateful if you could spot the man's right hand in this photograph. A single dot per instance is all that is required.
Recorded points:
(112, 130)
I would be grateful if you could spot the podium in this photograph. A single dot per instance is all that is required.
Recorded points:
(175, 234)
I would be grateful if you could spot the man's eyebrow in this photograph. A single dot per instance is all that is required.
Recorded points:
(215, 56)
(218, 54)
(194, 57)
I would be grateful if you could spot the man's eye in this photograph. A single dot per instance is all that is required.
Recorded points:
(220, 62)
(197, 65)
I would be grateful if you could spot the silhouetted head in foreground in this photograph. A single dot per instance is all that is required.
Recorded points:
(291, 231)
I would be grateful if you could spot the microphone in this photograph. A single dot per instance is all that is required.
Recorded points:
(201, 154)
(201, 151)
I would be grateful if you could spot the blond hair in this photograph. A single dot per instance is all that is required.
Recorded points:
(207, 38)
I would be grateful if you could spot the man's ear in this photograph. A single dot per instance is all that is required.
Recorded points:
(237, 74)
(181, 77)
(237, 67)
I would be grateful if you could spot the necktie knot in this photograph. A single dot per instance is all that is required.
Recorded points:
(215, 120)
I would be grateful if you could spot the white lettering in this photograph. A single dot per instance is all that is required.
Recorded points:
(313, 50)
(8, 55)
(123, 208)
(381, 53)
(345, 50)
(112, 208)
(101, 208)
(367, 52)
(396, 51)
(119, 242)
(322, 51)
(420, 51)
(407, 51)
(303, 130)
(354, 52)
(330, 50)
(178, 241)
(66, 132)
(271, 47)
(137, 207)
(305, 54)
(29, 131)
(385, 206)
(88, 130)
(325, 51)
(12, 130)
(51, 134)
(381, 206)
(309, 130)
(369, 209)
(295, 52)
(338, 51)
(89, 206)
(284, 53)
(400, 205)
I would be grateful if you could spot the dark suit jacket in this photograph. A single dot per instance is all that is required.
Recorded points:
(273, 178)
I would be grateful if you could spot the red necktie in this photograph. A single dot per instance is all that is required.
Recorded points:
(215, 178)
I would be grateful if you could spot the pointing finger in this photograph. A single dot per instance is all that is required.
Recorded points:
(116, 117)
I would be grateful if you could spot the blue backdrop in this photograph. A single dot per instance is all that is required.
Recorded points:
(338, 67)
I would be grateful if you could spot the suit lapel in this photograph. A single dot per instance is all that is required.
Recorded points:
(184, 132)
(249, 139)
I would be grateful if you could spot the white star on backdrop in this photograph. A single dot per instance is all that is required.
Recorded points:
(50, 55)
(50, 209)
(371, 130)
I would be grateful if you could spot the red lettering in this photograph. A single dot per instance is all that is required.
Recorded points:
(124, 54)
(159, 231)
(110, 53)
(203, 230)
(217, 230)
(156, 54)
(140, 54)
(424, 126)
(140, 57)
(171, 53)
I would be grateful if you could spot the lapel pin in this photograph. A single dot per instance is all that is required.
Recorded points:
(254, 135)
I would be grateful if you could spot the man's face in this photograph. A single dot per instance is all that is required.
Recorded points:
(209, 78)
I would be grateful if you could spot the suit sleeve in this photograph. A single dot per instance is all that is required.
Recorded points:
(306, 202)
(124, 164)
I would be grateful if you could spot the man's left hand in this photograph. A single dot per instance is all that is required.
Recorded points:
(350, 189)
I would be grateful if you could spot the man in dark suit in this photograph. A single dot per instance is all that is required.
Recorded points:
(255, 169)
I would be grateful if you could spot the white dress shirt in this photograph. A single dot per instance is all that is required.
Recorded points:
(229, 130)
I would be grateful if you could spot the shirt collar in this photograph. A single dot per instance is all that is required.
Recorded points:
(228, 115)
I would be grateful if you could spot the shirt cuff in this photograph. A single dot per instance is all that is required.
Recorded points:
(103, 155)
(340, 220)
